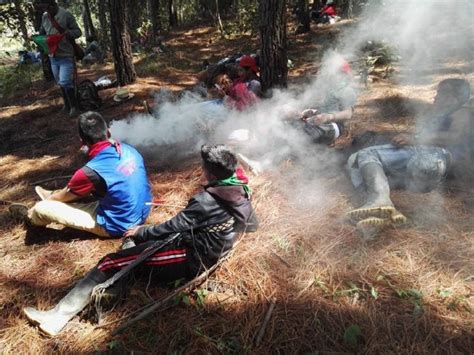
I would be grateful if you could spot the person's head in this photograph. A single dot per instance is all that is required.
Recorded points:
(92, 128)
(452, 94)
(218, 162)
(49, 6)
(225, 82)
(247, 67)
(90, 38)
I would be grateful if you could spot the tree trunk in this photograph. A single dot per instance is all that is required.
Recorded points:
(219, 20)
(21, 20)
(154, 6)
(104, 26)
(89, 28)
(134, 10)
(273, 60)
(348, 9)
(303, 17)
(173, 17)
(121, 47)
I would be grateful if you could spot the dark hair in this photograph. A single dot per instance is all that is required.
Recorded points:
(459, 87)
(90, 38)
(92, 127)
(219, 160)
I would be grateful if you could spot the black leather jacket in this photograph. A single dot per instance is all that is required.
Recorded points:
(209, 224)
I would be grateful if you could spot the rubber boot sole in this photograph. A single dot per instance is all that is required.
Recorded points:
(379, 212)
(372, 226)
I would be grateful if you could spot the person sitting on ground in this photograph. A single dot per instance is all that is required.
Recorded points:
(93, 52)
(326, 122)
(207, 228)
(248, 74)
(326, 14)
(115, 175)
(418, 162)
(236, 95)
(60, 26)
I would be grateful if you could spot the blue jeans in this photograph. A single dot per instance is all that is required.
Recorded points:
(63, 71)
(393, 159)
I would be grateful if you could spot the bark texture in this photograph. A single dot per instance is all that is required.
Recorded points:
(121, 46)
(273, 59)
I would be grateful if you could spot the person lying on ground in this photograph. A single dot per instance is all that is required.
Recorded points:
(325, 122)
(248, 74)
(207, 228)
(418, 162)
(61, 29)
(93, 52)
(326, 14)
(115, 174)
(235, 94)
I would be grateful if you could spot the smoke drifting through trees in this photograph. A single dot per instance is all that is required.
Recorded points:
(423, 33)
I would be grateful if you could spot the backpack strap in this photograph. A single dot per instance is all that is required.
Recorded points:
(56, 25)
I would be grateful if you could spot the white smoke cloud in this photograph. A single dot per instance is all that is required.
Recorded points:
(424, 33)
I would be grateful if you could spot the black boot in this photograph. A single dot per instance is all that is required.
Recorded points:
(74, 107)
(66, 107)
(378, 203)
(53, 321)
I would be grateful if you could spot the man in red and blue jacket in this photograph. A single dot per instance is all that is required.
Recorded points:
(115, 175)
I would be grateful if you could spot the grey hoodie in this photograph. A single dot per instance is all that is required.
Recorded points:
(65, 19)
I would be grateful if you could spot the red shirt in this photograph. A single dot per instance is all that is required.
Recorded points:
(329, 10)
(85, 180)
(240, 97)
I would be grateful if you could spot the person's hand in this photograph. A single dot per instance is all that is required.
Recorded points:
(306, 114)
(132, 232)
(401, 140)
(324, 118)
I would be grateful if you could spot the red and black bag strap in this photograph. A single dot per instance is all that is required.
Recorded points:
(55, 24)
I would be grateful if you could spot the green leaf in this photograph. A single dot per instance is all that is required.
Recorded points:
(374, 292)
(445, 292)
(352, 335)
(415, 293)
(186, 300)
(113, 344)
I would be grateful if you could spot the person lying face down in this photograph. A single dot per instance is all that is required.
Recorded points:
(114, 175)
(207, 228)
(419, 162)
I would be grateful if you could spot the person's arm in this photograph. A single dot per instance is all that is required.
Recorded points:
(63, 195)
(72, 31)
(184, 221)
(338, 116)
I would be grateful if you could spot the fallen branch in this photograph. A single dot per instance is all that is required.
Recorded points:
(64, 177)
(286, 263)
(163, 205)
(31, 144)
(261, 332)
(150, 308)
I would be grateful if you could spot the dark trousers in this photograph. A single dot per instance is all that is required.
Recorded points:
(167, 264)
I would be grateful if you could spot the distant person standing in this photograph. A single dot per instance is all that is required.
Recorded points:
(61, 29)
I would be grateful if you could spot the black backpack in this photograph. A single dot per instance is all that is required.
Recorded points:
(88, 96)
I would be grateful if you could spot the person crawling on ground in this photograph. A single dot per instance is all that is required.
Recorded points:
(418, 162)
(115, 175)
(207, 228)
(326, 121)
